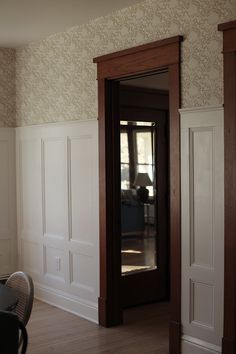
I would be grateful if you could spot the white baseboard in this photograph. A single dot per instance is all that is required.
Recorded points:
(66, 302)
(197, 346)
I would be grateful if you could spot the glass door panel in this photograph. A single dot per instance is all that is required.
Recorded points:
(138, 196)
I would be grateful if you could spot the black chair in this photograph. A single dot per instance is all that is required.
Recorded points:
(11, 330)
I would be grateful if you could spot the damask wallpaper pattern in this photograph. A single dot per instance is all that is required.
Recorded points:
(7, 88)
(56, 78)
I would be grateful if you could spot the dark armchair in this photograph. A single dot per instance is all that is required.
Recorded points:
(132, 217)
(12, 331)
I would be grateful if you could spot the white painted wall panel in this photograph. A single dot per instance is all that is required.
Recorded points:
(54, 263)
(30, 192)
(57, 175)
(202, 312)
(81, 172)
(8, 254)
(30, 256)
(55, 187)
(202, 195)
(4, 186)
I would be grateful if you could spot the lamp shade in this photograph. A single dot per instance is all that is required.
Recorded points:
(142, 180)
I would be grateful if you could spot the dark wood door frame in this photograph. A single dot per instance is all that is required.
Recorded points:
(142, 59)
(229, 53)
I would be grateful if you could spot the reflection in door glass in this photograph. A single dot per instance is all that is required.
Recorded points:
(138, 196)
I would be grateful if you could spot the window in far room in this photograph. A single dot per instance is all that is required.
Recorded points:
(136, 153)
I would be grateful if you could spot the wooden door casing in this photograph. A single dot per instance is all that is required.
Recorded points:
(229, 54)
(142, 59)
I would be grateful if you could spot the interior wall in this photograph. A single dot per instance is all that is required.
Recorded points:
(7, 87)
(202, 204)
(56, 79)
(8, 241)
(57, 213)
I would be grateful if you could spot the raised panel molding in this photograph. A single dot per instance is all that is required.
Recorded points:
(80, 187)
(82, 247)
(202, 204)
(202, 312)
(29, 188)
(78, 277)
(59, 249)
(201, 167)
(54, 188)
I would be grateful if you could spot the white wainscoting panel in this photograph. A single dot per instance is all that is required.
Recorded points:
(55, 188)
(30, 256)
(57, 193)
(30, 192)
(81, 183)
(8, 245)
(202, 195)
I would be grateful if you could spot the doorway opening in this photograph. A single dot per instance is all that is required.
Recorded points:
(143, 114)
(112, 69)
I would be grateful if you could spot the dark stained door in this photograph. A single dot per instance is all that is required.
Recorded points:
(143, 202)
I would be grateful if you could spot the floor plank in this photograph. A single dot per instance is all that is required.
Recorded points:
(145, 331)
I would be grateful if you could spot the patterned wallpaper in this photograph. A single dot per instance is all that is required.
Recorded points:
(56, 78)
(7, 87)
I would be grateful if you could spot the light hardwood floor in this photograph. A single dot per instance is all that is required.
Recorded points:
(145, 331)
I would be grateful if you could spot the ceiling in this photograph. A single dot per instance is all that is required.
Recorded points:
(24, 21)
(158, 81)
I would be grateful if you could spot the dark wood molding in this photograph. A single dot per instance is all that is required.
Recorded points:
(175, 196)
(143, 59)
(227, 26)
(134, 61)
(138, 49)
(175, 335)
(229, 52)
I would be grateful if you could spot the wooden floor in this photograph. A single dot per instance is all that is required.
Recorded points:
(145, 331)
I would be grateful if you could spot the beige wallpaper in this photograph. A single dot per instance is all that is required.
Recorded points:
(56, 79)
(7, 87)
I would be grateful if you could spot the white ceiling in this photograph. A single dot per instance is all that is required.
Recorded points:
(24, 21)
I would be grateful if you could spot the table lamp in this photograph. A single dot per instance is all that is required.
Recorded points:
(142, 180)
